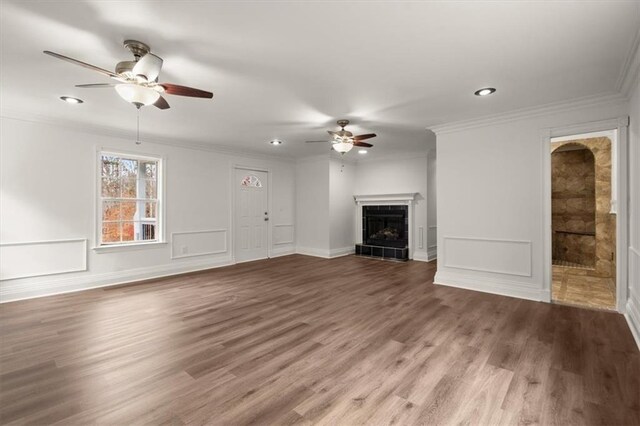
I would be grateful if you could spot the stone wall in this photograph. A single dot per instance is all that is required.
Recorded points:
(574, 205)
(605, 222)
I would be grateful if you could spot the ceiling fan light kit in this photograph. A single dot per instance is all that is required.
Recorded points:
(342, 147)
(138, 95)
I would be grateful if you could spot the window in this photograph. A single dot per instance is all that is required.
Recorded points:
(129, 204)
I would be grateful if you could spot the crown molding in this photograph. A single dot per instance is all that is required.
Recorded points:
(488, 120)
(630, 71)
(404, 155)
(129, 136)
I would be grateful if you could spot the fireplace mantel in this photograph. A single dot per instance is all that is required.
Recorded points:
(404, 198)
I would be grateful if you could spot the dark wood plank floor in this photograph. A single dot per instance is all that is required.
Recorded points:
(301, 340)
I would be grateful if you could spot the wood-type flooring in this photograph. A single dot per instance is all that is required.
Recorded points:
(304, 340)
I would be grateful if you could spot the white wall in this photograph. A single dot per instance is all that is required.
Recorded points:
(432, 211)
(312, 206)
(341, 207)
(633, 304)
(48, 190)
(490, 201)
(404, 173)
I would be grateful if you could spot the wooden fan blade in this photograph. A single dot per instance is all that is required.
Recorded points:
(82, 64)
(95, 85)
(162, 103)
(317, 141)
(363, 144)
(363, 137)
(174, 89)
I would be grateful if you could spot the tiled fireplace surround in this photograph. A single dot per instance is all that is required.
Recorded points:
(385, 205)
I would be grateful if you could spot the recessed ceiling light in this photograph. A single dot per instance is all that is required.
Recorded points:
(276, 142)
(70, 100)
(486, 91)
(362, 151)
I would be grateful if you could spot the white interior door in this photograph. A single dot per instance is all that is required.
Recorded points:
(251, 212)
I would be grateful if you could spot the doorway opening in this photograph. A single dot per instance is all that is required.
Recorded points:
(583, 220)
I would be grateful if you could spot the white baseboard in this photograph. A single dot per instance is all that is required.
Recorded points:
(432, 253)
(13, 290)
(344, 251)
(420, 256)
(490, 285)
(326, 254)
(308, 251)
(633, 317)
(282, 251)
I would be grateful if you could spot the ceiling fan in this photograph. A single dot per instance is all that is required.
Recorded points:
(343, 140)
(138, 79)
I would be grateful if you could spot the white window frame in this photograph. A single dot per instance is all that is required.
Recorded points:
(160, 204)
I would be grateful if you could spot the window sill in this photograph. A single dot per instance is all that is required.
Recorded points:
(126, 247)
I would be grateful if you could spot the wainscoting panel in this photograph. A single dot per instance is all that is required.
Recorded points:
(198, 243)
(37, 258)
(282, 234)
(511, 257)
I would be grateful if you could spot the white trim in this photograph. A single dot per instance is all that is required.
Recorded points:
(421, 256)
(285, 225)
(622, 219)
(630, 68)
(432, 253)
(206, 231)
(15, 289)
(632, 315)
(110, 248)
(564, 106)
(529, 273)
(421, 237)
(326, 254)
(282, 251)
(311, 251)
(397, 156)
(82, 268)
(384, 199)
(490, 285)
(160, 200)
(343, 251)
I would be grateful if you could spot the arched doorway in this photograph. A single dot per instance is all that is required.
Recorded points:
(583, 223)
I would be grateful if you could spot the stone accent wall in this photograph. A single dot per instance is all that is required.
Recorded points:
(574, 205)
(605, 222)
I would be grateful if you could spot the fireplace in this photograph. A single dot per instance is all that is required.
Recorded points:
(385, 226)
(385, 232)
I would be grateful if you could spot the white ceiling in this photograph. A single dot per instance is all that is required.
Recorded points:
(288, 70)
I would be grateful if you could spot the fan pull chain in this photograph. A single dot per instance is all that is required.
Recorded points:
(138, 127)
